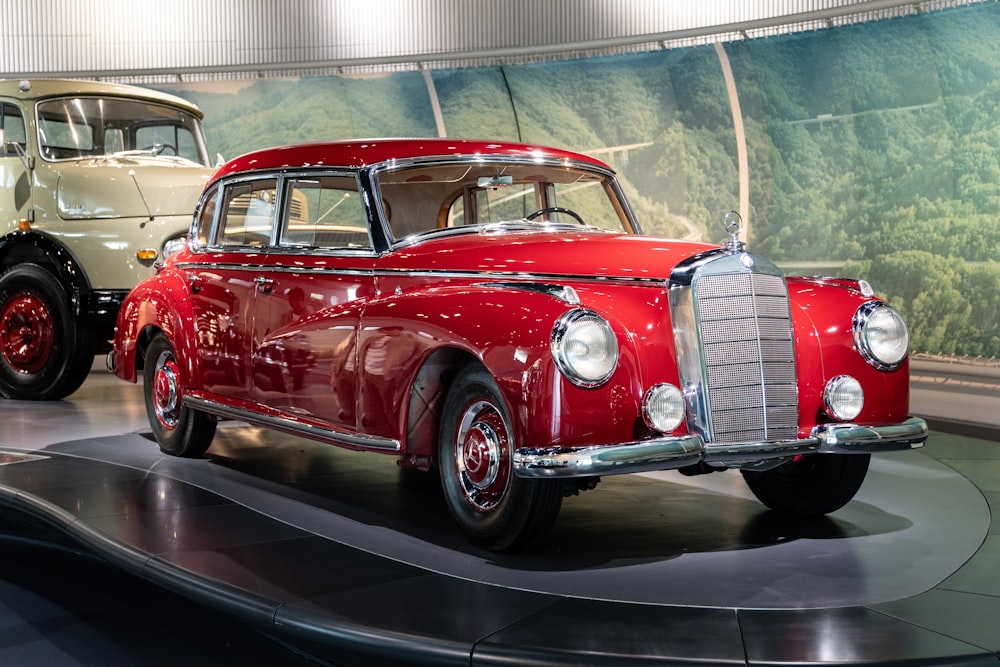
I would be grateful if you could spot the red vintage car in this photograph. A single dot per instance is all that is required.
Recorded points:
(494, 311)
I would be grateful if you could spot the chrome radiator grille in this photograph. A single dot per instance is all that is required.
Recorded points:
(748, 357)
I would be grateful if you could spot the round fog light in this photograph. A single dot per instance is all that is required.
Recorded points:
(843, 398)
(663, 407)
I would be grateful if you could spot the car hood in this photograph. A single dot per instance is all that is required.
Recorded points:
(549, 255)
(129, 188)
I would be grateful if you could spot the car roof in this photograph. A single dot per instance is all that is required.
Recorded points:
(358, 153)
(38, 89)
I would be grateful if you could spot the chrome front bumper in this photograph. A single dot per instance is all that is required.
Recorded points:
(679, 451)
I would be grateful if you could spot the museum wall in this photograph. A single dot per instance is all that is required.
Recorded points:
(195, 39)
(873, 149)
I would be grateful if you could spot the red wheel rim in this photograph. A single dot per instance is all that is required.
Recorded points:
(166, 391)
(27, 334)
(482, 455)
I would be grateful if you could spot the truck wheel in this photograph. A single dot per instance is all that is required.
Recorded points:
(494, 508)
(45, 352)
(810, 485)
(179, 430)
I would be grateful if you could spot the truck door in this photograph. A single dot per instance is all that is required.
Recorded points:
(15, 177)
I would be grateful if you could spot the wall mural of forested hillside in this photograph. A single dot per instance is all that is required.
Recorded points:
(873, 149)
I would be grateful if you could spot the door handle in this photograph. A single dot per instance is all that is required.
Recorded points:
(196, 283)
(264, 285)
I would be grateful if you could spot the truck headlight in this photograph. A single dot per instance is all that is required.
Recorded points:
(174, 245)
(584, 347)
(880, 335)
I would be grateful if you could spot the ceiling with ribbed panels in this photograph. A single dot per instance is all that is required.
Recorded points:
(197, 39)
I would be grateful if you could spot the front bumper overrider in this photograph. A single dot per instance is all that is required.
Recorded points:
(671, 452)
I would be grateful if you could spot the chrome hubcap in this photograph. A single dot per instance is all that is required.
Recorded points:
(166, 391)
(483, 455)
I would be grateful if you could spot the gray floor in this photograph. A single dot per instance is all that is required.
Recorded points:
(353, 561)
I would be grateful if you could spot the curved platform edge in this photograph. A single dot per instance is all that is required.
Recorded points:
(366, 609)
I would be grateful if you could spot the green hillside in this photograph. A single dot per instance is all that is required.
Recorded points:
(874, 147)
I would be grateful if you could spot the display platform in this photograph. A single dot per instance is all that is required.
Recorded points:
(346, 558)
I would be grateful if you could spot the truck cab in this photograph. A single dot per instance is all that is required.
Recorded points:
(97, 182)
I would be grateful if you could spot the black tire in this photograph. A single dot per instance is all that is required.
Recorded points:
(494, 508)
(45, 351)
(179, 430)
(810, 485)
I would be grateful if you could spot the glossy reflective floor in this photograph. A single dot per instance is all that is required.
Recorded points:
(276, 548)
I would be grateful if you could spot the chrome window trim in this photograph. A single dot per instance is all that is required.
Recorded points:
(376, 170)
(223, 184)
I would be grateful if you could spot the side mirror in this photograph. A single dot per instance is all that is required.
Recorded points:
(13, 149)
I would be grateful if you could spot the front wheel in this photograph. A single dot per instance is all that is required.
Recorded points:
(45, 351)
(811, 484)
(494, 508)
(179, 430)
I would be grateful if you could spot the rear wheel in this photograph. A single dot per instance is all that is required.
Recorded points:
(45, 351)
(179, 430)
(494, 508)
(810, 485)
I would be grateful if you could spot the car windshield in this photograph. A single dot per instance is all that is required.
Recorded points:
(84, 127)
(423, 199)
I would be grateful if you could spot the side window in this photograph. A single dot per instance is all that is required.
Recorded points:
(324, 212)
(247, 213)
(12, 125)
(206, 215)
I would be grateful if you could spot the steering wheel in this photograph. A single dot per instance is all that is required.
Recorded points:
(160, 149)
(556, 209)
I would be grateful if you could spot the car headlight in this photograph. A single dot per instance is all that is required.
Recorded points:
(880, 335)
(663, 407)
(585, 348)
(843, 398)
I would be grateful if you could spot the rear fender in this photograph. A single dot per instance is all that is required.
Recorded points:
(147, 310)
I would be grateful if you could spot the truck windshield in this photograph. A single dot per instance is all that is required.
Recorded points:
(84, 127)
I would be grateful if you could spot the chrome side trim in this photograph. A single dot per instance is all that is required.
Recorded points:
(518, 279)
(564, 293)
(294, 426)
(671, 452)
(259, 268)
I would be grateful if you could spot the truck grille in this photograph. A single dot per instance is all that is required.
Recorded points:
(748, 357)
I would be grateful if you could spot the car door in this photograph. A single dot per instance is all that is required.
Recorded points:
(309, 304)
(225, 282)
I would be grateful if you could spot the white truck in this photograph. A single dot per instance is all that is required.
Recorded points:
(97, 181)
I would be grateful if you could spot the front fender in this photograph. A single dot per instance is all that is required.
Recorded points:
(509, 331)
(825, 348)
